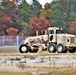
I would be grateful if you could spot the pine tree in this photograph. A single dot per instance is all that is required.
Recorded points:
(36, 7)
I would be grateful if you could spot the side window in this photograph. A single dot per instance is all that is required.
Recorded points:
(51, 31)
(58, 31)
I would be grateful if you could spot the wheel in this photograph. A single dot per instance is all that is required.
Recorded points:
(72, 50)
(24, 48)
(52, 48)
(61, 48)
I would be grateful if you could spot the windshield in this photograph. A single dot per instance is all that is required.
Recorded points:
(58, 31)
(51, 31)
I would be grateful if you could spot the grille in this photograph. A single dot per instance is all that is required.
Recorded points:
(64, 38)
(72, 40)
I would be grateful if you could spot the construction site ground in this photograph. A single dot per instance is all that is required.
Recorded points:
(42, 63)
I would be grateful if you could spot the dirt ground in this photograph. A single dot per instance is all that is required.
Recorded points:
(67, 72)
(6, 69)
(15, 73)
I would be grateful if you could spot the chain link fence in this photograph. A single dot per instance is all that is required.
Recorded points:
(11, 41)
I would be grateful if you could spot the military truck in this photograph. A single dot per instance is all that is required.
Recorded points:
(53, 40)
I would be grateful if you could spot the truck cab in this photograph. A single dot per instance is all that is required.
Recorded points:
(60, 42)
(52, 34)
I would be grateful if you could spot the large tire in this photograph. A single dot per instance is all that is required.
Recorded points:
(52, 48)
(23, 48)
(61, 48)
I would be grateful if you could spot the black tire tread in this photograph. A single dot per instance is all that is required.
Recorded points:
(53, 46)
(22, 46)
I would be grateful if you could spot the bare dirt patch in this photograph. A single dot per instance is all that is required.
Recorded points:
(32, 69)
(15, 73)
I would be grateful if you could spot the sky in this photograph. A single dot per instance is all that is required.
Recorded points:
(41, 1)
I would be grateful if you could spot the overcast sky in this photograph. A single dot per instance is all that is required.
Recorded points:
(41, 1)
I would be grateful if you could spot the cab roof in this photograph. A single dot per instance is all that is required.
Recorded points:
(53, 28)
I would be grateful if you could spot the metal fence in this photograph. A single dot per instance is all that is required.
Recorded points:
(8, 41)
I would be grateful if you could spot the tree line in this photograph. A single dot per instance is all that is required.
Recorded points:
(25, 19)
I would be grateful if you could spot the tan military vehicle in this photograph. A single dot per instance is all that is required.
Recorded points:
(53, 40)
